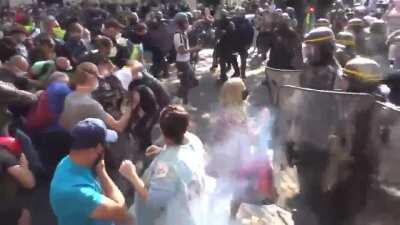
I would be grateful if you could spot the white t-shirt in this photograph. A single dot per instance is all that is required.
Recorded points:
(181, 39)
(125, 76)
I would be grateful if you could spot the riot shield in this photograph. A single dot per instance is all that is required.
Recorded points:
(276, 78)
(322, 135)
(383, 200)
(384, 145)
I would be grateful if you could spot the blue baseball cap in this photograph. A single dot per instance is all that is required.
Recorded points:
(90, 132)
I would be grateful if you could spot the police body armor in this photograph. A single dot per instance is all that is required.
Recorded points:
(323, 134)
(319, 77)
(321, 69)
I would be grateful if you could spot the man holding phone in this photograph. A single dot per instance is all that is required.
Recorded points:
(81, 191)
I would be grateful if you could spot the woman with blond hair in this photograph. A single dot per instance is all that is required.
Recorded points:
(231, 141)
(230, 126)
(233, 100)
(235, 161)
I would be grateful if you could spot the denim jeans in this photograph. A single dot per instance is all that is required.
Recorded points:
(187, 79)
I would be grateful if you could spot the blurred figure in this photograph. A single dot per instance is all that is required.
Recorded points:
(14, 71)
(123, 47)
(20, 35)
(321, 68)
(186, 73)
(263, 25)
(42, 124)
(174, 182)
(52, 28)
(392, 17)
(243, 38)
(393, 43)
(232, 140)
(14, 174)
(12, 96)
(160, 42)
(133, 75)
(80, 104)
(93, 16)
(110, 93)
(322, 22)
(393, 82)
(225, 52)
(41, 71)
(63, 65)
(285, 46)
(81, 179)
(8, 48)
(345, 47)
(45, 50)
(356, 26)
(376, 41)
(147, 113)
(104, 47)
(338, 19)
(234, 153)
(74, 43)
(364, 75)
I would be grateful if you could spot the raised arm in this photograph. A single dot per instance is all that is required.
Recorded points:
(113, 204)
(12, 95)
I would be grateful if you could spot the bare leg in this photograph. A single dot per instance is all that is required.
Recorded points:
(235, 205)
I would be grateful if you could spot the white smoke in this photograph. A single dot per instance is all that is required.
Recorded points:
(236, 150)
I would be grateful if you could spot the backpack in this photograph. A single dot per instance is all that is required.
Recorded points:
(40, 115)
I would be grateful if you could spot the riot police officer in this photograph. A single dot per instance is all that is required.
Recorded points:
(243, 38)
(376, 40)
(322, 22)
(363, 75)
(356, 26)
(321, 68)
(345, 47)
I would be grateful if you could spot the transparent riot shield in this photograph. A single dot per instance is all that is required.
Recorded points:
(321, 135)
(385, 130)
(276, 78)
(383, 202)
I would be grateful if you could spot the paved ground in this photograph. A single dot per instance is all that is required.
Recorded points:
(205, 99)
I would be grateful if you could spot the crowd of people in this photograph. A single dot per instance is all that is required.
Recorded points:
(82, 92)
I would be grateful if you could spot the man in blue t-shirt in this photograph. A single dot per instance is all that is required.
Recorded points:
(76, 196)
